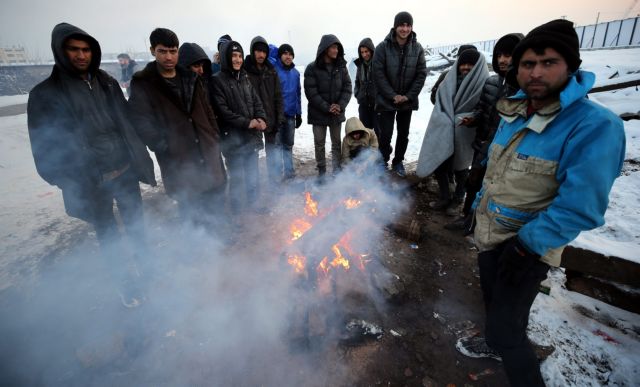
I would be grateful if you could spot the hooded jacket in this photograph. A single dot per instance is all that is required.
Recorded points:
(365, 87)
(190, 53)
(291, 91)
(236, 103)
(349, 144)
(326, 85)
(267, 84)
(79, 128)
(398, 71)
(180, 129)
(549, 174)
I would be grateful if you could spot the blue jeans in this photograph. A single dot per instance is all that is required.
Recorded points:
(284, 139)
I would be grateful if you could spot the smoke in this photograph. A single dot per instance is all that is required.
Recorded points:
(222, 304)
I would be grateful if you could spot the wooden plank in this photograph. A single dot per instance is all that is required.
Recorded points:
(597, 265)
(604, 291)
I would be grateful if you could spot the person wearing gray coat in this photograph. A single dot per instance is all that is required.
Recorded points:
(399, 71)
(327, 86)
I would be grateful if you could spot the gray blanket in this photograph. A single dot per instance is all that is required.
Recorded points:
(445, 136)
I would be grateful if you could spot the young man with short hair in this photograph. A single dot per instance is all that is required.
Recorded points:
(172, 114)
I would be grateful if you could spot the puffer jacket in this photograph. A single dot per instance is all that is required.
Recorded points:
(267, 84)
(398, 71)
(236, 103)
(367, 140)
(324, 88)
(74, 123)
(365, 87)
(291, 91)
(549, 175)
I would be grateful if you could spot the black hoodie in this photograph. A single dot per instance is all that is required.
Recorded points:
(190, 53)
(325, 85)
(365, 87)
(79, 128)
(267, 84)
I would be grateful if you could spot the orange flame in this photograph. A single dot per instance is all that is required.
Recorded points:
(323, 266)
(339, 260)
(351, 203)
(298, 262)
(311, 209)
(298, 228)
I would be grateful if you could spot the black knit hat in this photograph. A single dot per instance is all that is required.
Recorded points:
(236, 47)
(285, 48)
(401, 18)
(261, 46)
(465, 47)
(468, 56)
(557, 34)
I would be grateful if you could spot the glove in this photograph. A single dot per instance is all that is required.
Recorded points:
(515, 261)
(298, 120)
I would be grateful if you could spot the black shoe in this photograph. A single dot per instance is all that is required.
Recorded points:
(476, 346)
(458, 224)
(440, 204)
(399, 169)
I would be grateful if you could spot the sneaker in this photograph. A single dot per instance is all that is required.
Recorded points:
(399, 169)
(440, 204)
(476, 347)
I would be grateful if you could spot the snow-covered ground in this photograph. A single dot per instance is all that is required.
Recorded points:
(8, 100)
(589, 351)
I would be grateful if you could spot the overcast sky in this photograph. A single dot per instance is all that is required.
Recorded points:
(125, 26)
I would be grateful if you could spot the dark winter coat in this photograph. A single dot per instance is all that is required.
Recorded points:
(398, 71)
(191, 53)
(182, 131)
(72, 122)
(267, 84)
(324, 88)
(365, 87)
(236, 103)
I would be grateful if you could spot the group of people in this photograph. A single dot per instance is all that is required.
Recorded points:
(531, 157)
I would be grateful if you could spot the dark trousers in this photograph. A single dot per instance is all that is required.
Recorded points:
(507, 307)
(443, 174)
(369, 118)
(242, 166)
(274, 157)
(385, 121)
(125, 190)
(474, 184)
(284, 139)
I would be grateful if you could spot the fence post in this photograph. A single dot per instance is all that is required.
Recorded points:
(633, 31)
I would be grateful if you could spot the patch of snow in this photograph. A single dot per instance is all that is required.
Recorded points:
(9, 100)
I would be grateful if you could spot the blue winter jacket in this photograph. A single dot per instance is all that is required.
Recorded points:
(555, 182)
(291, 94)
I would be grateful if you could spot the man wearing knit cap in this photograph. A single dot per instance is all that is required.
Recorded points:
(399, 72)
(292, 99)
(550, 168)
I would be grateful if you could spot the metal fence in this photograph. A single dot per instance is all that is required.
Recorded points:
(617, 33)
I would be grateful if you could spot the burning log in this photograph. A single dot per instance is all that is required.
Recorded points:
(409, 229)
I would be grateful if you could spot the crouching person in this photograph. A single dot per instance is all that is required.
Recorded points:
(360, 144)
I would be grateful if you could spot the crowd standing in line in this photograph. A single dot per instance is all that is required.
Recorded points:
(543, 157)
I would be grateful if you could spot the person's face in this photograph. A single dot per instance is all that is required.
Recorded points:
(166, 57)
(542, 76)
(465, 68)
(197, 68)
(332, 52)
(504, 61)
(286, 58)
(260, 56)
(124, 62)
(78, 52)
(236, 60)
(356, 135)
(365, 53)
(403, 30)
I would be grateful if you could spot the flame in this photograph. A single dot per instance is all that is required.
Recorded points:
(339, 260)
(311, 208)
(351, 203)
(323, 266)
(298, 262)
(298, 228)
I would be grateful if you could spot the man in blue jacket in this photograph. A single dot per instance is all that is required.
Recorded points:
(292, 97)
(550, 168)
